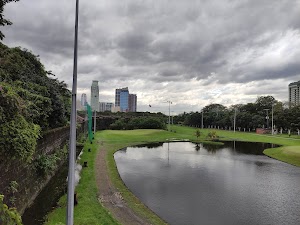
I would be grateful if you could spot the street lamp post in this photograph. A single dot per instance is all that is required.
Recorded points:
(202, 120)
(234, 120)
(169, 114)
(272, 119)
(267, 117)
(72, 145)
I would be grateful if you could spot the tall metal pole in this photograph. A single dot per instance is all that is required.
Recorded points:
(272, 119)
(234, 120)
(72, 145)
(202, 120)
(267, 117)
(169, 114)
(95, 122)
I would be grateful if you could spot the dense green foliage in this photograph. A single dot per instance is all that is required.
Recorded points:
(9, 216)
(45, 163)
(248, 116)
(138, 123)
(30, 102)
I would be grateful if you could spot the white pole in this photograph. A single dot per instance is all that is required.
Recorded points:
(272, 120)
(72, 145)
(234, 120)
(202, 120)
(169, 114)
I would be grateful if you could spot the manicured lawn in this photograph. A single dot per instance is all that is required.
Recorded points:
(90, 211)
(290, 154)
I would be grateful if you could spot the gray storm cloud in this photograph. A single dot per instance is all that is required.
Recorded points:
(163, 41)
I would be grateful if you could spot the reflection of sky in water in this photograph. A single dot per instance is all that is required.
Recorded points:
(216, 186)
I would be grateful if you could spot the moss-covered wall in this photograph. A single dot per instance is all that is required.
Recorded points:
(20, 182)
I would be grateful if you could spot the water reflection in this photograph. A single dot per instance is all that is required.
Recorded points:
(229, 184)
(150, 145)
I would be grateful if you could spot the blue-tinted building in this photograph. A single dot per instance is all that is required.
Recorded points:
(124, 100)
(124, 106)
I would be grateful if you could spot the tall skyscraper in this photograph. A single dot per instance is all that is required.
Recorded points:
(124, 100)
(121, 99)
(132, 102)
(294, 97)
(83, 100)
(95, 96)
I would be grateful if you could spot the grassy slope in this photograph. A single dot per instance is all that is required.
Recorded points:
(90, 211)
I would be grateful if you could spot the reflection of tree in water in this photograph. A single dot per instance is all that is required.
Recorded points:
(150, 145)
(212, 148)
(253, 148)
(197, 147)
(123, 149)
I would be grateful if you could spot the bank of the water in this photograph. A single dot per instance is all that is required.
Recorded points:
(89, 209)
(289, 154)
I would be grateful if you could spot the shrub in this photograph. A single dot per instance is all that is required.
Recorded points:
(45, 164)
(9, 216)
(213, 135)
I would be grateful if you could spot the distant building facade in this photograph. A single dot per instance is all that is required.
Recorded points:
(105, 106)
(132, 102)
(115, 109)
(83, 100)
(95, 96)
(124, 100)
(294, 97)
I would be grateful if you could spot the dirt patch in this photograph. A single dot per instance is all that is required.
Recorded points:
(110, 197)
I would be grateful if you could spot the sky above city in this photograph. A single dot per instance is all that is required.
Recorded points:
(190, 52)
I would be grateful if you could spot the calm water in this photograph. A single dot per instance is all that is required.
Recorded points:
(232, 184)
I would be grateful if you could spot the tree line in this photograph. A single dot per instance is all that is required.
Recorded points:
(248, 116)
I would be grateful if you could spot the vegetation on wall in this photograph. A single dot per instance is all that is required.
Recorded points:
(9, 216)
(31, 101)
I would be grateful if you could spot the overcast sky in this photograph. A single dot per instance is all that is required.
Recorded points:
(191, 52)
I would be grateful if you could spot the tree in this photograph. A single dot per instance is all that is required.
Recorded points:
(47, 100)
(264, 102)
(3, 21)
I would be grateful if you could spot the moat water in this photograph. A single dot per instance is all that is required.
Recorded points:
(233, 184)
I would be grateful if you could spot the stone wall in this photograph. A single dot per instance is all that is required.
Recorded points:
(19, 182)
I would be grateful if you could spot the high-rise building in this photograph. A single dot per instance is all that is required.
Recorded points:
(95, 96)
(121, 99)
(132, 102)
(294, 97)
(83, 100)
(105, 106)
(124, 100)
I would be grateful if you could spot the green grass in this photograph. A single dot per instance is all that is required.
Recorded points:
(90, 211)
(290, 154)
